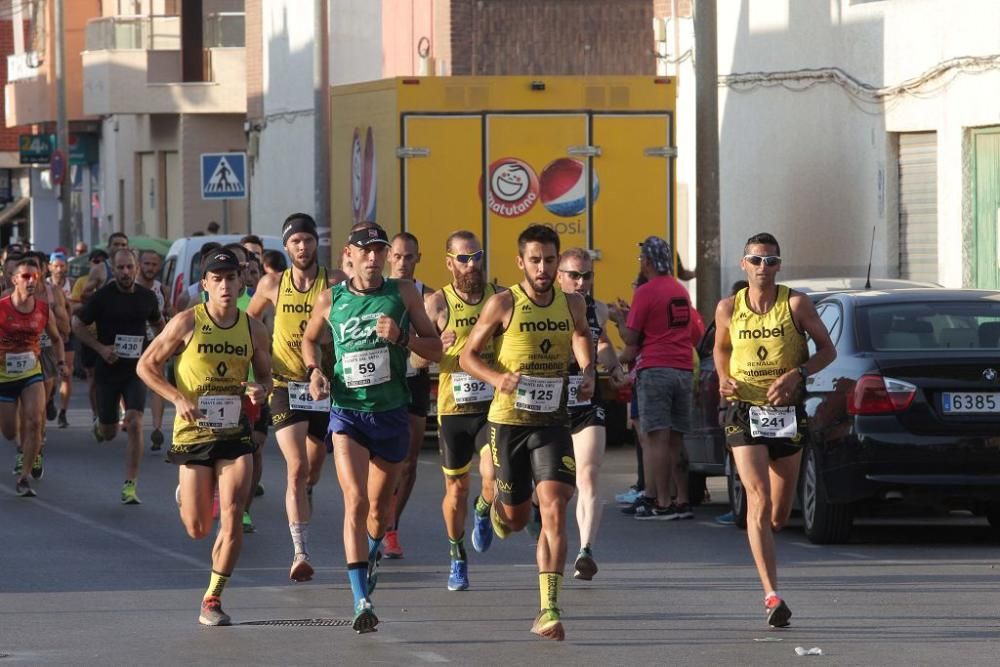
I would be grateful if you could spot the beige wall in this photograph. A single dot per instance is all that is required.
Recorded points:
(208, 134)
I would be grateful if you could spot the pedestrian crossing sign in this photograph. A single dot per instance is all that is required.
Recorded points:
(223, 175)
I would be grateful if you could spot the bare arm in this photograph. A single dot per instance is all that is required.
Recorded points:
(437, 313)
(723, 349)
(55, 335)
(317, 334)
(607, 356)
(61, 312)
(582, 345)
(95, 279)
(150, 368)
(262, 385)
(782, 390)
(495, 314)
(89, 338)
(263, 296)
(426, 343)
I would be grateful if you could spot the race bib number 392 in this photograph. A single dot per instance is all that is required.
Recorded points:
(771, 422)
(468, 389)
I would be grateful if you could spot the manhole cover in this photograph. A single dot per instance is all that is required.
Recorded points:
(303, 622)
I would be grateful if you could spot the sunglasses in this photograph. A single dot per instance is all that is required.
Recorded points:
(577, 275)
(463, 258)
(768, 260)
(28, 276)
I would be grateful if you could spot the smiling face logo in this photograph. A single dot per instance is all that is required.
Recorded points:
(513, 187)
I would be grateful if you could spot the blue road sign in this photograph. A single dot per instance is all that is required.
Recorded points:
(223, 175)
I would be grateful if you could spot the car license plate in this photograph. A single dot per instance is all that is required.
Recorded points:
(970, 402)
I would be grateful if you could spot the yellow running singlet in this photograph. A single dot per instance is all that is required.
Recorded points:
(292, 310)
(462, 316)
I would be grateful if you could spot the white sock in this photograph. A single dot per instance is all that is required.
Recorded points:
(300, 536)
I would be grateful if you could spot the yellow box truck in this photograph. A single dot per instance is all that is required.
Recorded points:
(592, 157)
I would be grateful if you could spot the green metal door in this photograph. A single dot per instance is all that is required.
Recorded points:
(986, 205)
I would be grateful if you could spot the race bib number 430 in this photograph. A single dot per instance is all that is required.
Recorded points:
(771, 422)
(536, 394)
(219, 411)
(128, 347)
(366, 368)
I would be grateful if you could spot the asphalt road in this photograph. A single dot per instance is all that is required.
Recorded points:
(86, 580)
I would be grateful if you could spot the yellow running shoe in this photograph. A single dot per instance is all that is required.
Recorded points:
(548, 625)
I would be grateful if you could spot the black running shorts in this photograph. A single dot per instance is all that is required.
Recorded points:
(282, 415)
(206, 454)
(460, 437)
(522, 454)
(109, 390)
(420, 393)
(585, 416)
(736, 424)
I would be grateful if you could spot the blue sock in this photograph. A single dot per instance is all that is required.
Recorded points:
(373, 544)
(357, 574)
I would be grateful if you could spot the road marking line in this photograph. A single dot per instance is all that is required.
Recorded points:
(121, 534)
(853, 554)
(807, 545)
(430, 656)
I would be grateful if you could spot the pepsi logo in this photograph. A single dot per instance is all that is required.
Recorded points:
(513, 187)
(563, 187)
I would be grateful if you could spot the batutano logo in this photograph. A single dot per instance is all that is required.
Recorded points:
(513, 187)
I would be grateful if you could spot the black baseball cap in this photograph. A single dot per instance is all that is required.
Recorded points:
(98, 254)
(220, 260)
(366, 236)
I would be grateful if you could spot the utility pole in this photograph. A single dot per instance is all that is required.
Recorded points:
(62, 128)
(321, 120)
(707, 228)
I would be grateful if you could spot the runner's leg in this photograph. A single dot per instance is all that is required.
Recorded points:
(784, 477)
(752, 465)
(588, 449)
(33, 405)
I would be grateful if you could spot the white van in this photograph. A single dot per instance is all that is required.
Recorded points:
(181, 266)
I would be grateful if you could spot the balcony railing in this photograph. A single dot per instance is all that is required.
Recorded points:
(162, 33)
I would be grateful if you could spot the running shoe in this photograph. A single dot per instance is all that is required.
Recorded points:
(390, 547)
(248, 526)
(679, 511)
(482, 532)
(534, 525)
(777, 611)
(365, 619)
(50, 410)
(585, 567)
(61, 420)
(373, 564)
(259, 491)
(211, 612)
(156, 437)
(23, 489)
(727, 519)
(500, 529)
(653, 512)
(637, 503)
(129, 496)
(628, 497)
(301, 570)
(458, 578)
(37, 468)
(18, 464)
(548, 625)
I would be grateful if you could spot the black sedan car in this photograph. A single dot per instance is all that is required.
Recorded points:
(909, 413)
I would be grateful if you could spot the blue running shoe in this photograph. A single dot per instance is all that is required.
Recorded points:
(458, 579)
(365, 619)
(482, 532)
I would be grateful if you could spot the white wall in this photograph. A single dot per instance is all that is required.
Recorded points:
(355, 41)
(283, 174)
(816, 166)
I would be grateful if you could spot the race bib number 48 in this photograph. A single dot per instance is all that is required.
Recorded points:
(366, 368)
(128, 347)
(468, 389)
(19, 362)
(220, 411)
(299, 398)
(770, 422)
(536, 394)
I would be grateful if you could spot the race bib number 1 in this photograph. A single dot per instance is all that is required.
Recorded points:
(572, 387)
(770, 422)
(128, 347)
(366, 368)
(19, 362)
(299, 398)
(536, 394)
(468, 389)
(219, 411)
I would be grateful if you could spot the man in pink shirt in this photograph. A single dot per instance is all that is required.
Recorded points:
(662, 327)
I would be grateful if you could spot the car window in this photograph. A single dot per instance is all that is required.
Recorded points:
(831, 316)
(954, 325)
(168, 272)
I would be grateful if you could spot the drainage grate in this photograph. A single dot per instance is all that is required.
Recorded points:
(304, 622)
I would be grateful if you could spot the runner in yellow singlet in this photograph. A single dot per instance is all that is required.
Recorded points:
(534, 328)
(215, 407)
(762, 361)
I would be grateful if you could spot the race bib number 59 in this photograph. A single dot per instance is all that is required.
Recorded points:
(366, 368)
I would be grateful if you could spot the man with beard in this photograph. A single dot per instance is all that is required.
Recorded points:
(366, 317)
(576, 276)
(59, 278)
(23, 318)
(462, 402)
(300, 423)
(404, 255)
(121, 309)
(149, 268)
(534, 329)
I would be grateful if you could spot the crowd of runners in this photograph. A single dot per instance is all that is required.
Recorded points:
(337, 361)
